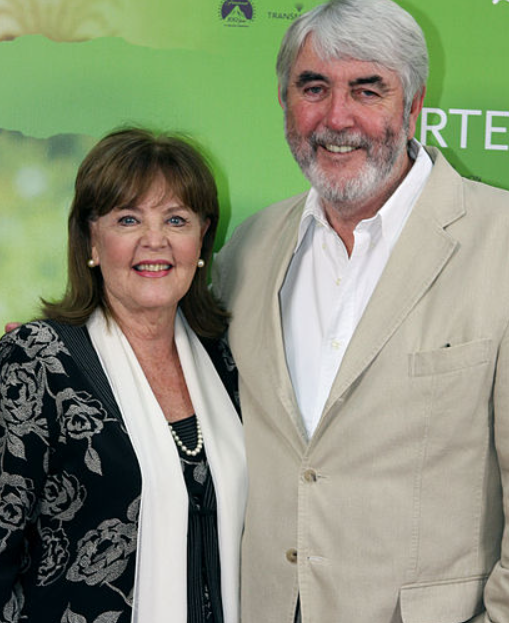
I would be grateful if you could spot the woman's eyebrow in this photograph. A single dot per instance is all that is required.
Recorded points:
(132, 207)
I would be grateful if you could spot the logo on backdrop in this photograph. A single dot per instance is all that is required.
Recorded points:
(457, 124)
(497, 1)
(237, 13)
(287, 15)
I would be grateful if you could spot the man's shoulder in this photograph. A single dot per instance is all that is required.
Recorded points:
(272, 215)
(443, 169)
(486, 206)
(477, 189)
(261, 228)
(447, 187)
(254, 242)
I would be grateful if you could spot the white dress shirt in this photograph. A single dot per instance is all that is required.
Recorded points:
(325, 292)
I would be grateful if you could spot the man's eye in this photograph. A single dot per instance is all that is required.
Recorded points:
(368, 94)
(314, 90)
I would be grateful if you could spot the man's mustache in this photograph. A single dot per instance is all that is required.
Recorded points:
(342, 138)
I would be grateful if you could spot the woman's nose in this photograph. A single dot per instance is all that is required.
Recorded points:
(154, 237)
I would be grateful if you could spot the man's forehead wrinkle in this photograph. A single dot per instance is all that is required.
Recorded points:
(332, 56)
(344, 52)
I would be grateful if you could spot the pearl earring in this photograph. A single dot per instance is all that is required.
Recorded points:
(91, 263)
(201, 263)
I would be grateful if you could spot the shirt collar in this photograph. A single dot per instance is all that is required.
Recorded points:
(395, 211)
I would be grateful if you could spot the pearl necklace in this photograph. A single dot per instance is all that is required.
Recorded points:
(181, 444)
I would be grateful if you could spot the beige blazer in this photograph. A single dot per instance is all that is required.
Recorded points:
(393, 512)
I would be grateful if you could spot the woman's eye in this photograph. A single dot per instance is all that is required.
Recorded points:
(127, 220)
(177, 220)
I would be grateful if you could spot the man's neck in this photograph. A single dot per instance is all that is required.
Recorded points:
(344, 217)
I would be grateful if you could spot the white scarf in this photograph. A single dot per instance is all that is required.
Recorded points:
(161, 574)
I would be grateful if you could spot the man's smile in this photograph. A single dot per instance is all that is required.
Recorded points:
(340, 149)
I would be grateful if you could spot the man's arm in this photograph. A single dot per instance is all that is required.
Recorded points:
(496, 594)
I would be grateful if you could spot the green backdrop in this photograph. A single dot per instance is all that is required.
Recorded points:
(71, 70)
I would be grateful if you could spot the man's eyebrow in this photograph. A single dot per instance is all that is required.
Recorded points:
(368, 80)
(309, 76)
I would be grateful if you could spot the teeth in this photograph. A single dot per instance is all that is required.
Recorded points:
(153, 268)
(340, 149)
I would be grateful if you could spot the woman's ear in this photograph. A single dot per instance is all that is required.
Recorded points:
(94, 253)
(204, 228)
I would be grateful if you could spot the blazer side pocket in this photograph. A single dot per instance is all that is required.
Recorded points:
(442, 602)
(449, 358)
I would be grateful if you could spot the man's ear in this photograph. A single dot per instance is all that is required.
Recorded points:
(415, 111)
(280, 98)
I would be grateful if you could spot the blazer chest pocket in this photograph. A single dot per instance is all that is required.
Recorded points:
(449, 358)
(442, 602)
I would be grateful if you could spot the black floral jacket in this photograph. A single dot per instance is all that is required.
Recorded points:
(70, 483)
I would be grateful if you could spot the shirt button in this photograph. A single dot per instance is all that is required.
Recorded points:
(310, 475)
(338, 281)
(336, 344)
(291, 556)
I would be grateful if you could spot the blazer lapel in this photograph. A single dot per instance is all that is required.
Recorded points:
(421, 253)
(274, 339)
(256, 333)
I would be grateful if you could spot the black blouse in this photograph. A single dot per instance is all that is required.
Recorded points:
(203, 562)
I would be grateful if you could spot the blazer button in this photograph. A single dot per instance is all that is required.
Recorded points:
(310, 475)
(291, 556)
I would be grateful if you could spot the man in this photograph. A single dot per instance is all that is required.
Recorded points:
(369, 327)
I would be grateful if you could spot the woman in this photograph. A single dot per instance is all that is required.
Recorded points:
(110, 509)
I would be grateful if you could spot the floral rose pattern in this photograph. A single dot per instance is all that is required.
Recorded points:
(23, 385)
(40, 341)
(82, 418)
(17, 500)
(62, 497)
(12, 610)
(58, 444)
(103, 553)
(55, 558)
(226, 354)
(105, 617)
(82, 415)
(21, 393)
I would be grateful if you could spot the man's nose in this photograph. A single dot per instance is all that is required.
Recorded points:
(339, 114)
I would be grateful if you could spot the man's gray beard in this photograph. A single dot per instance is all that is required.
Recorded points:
(380, 159)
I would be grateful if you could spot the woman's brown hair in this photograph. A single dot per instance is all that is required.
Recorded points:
(118, 172)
